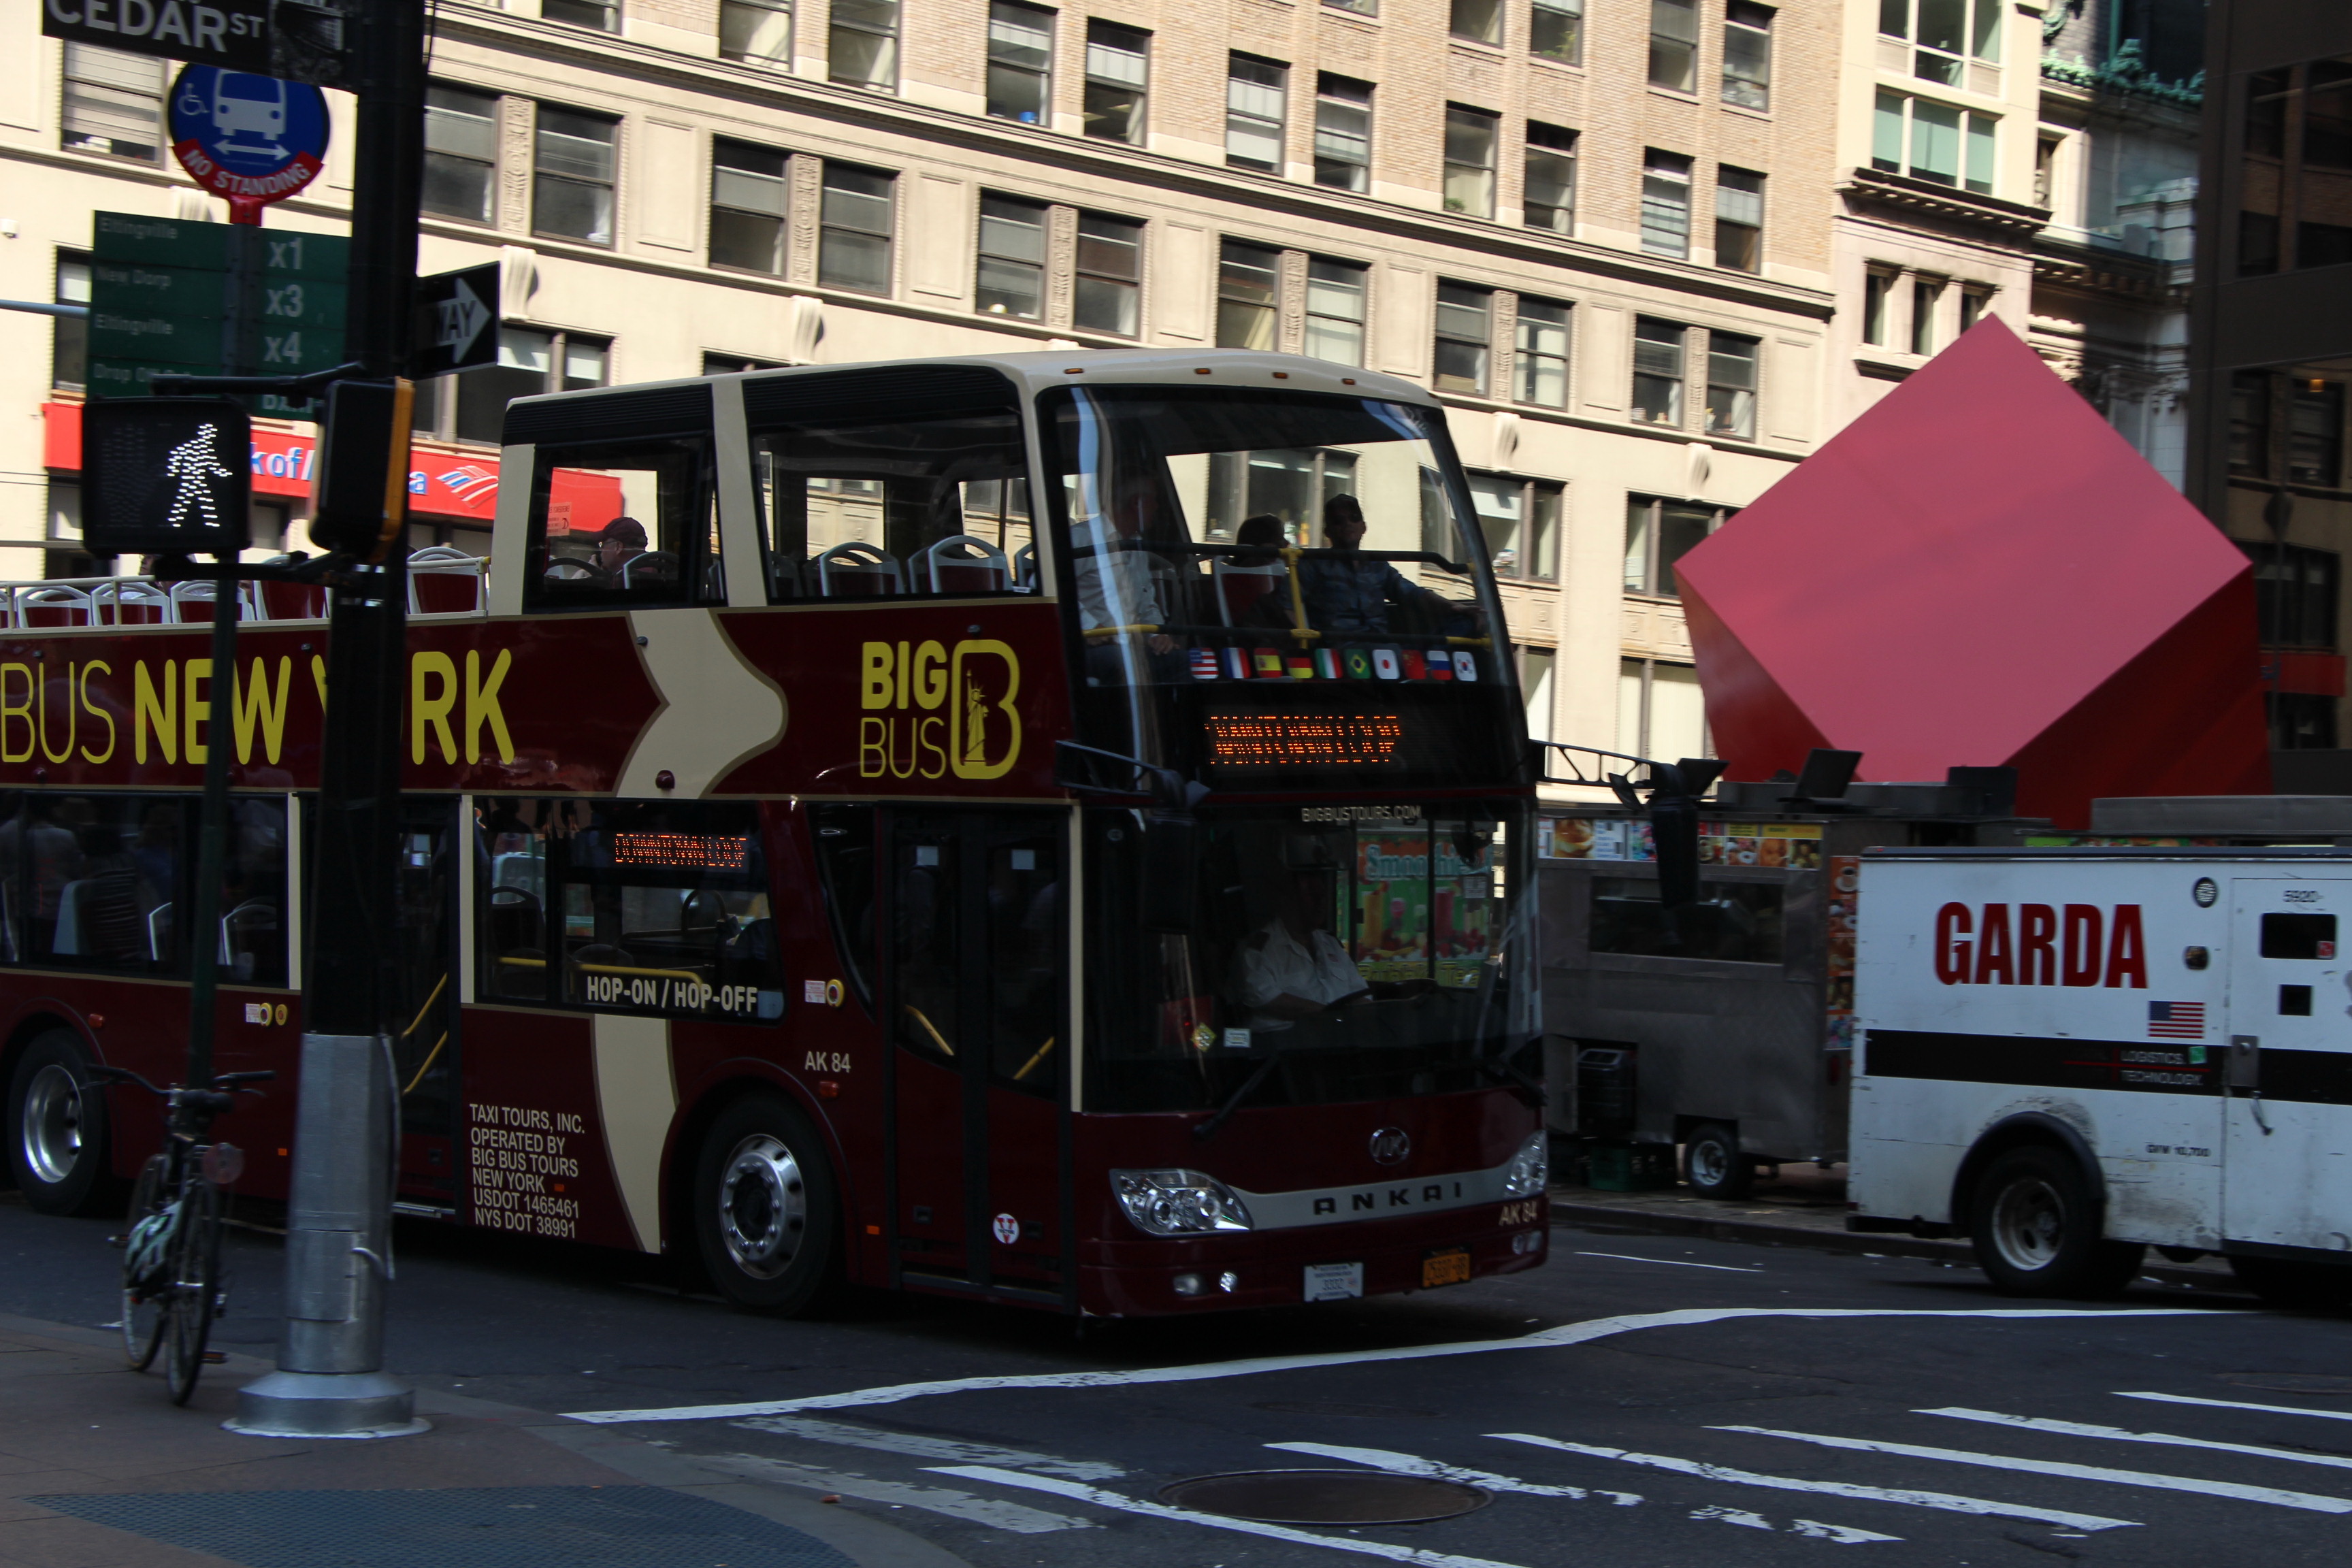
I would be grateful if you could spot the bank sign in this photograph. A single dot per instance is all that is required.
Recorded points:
(233, 35)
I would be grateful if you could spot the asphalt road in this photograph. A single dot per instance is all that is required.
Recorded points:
(1792, 1407)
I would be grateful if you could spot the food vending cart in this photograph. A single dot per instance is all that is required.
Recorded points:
(1725, 1027)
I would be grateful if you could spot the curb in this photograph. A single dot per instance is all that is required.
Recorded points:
(1757, 1233)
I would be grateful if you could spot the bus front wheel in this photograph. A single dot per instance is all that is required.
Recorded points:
(2036, 1229)
(766, 1216)
(58, 1143)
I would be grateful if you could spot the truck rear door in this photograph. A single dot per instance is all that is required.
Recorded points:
(2287, 1127)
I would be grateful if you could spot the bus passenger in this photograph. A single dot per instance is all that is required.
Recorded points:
(1116, 591)
(33, 839)
(1354, 596)
(623, 539)
(1292, 967)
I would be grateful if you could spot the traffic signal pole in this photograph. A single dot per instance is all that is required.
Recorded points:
(330, 1379)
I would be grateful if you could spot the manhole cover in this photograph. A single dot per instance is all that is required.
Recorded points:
(1325, 1497)
(2290, 1381)
(1331, 1407)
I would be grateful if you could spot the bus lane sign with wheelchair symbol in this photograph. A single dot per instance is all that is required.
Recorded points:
(249, 140)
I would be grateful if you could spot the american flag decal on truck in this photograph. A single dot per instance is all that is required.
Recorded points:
(2176, 1020)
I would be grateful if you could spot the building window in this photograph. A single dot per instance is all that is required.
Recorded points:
(2300, 720)
(69, 335)
(571, 176)
(1661, 713)
(1108, 297)
(1739, 220)
(1974, 303)
(1536, 669)
(758, 32)
(113, 104)
(1548, 191)
(1335, 311)
(1465, 329)
(1657, 534)
(1520, 519)
(1658, 348)
(1539, 358)
(1747, 55)
(1469, 161)
(748, 196)
(1944, 34)
(1254, 112)
(1673, 44)
(1877, 288)
(1665, 203)
(735, 365)
(853, 241)
(1480, 21)
(2314, 433)
(1020, 62)
(1731, 385)
(1011, 280)
(1248, 291)
(2295, 594)
(461, 153)
(1556, 31)
(2250, 424)
(1360, 7)
(2295, 201)
(471, 405)
(1932, 141)
(1926, 295)
(862, 44)
(1119, 71)
(1343, 132)
(603, 16)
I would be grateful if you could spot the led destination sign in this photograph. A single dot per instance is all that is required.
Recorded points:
(1304, 739)
(682, 851)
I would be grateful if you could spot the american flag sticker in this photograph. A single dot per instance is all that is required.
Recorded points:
(2176, 1020)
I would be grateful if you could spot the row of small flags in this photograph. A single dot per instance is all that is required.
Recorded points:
(1332, 664)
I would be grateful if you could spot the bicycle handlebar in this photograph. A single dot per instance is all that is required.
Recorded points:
(229, 1082)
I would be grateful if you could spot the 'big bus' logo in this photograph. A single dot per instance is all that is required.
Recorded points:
(931, 710)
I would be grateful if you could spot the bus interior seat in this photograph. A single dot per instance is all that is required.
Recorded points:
(858, 570)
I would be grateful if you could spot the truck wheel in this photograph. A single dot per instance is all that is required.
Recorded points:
(1713, 1165)
(58, 1144)
(2036, 1229)
(2295, 1287)
(766, 1219)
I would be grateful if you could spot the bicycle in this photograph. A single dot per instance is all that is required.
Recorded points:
(172, 1286)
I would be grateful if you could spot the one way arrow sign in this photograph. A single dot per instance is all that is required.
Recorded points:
(461, 312)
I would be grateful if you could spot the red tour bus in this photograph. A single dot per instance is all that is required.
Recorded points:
(1048, 828)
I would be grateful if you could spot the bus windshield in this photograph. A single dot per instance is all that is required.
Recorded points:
(1277, 590)
(1353, 953)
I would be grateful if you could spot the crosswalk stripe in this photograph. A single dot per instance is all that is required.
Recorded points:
(1079, 1491)
(2119, 1435)
(2236, 1404)
(2309, 1502)
(1947, 1502)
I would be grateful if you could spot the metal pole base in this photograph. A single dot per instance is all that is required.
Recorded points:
(327, 1405)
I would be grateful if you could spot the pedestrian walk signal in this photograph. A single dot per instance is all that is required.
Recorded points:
(166, 474)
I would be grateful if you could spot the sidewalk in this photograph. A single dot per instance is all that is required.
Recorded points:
(1803, 1207)
(98, 1469)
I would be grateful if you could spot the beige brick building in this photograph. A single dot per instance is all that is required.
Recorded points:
(1629, 241)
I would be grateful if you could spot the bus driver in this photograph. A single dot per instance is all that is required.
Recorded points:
(1292, 967)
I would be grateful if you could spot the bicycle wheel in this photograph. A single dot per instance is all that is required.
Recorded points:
(195, 1288)
(143, 1310)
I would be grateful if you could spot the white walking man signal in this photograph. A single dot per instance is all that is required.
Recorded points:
(194, 465)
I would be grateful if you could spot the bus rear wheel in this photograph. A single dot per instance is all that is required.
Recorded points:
(2036, 1229)
(58, 1143)
(766, 1215)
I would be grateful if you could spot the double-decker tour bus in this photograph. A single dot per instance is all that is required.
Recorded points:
(1048, 828)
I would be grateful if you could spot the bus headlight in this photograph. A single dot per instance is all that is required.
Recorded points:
(1178, 1203)
(1530, 1169)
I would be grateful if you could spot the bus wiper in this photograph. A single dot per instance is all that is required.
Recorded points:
(1204, 1131)
(1504, 1072)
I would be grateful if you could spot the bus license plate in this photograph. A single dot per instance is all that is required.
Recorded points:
(1446, 1267)
(1334, 1281)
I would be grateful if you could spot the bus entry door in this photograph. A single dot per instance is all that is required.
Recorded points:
(2287, 1064)
(974, 1001)
(424, 1051)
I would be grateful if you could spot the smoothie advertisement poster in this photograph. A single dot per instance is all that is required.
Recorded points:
(1410, 924)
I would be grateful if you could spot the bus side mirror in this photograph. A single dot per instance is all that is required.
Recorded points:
(1170, 872)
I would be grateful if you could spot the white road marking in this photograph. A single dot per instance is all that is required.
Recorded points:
(1669, 1262)
(1739, 1516)
(1412, 1465)
(2309, 1502)
(1081, 1493)
(2119, 1435)
(2234, 1405)
(922, 1448)
(991, 1514)
(1946, 1501)
(1254, 1366)
(1844, 1535)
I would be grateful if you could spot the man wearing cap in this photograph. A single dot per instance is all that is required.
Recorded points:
(623, 541)
(1293, 967)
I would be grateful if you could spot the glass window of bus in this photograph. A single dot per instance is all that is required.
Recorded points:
(1365, 951)
(623, 524)
(1234, 554)
(845, 865)
(655, 907)
(866, 507)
